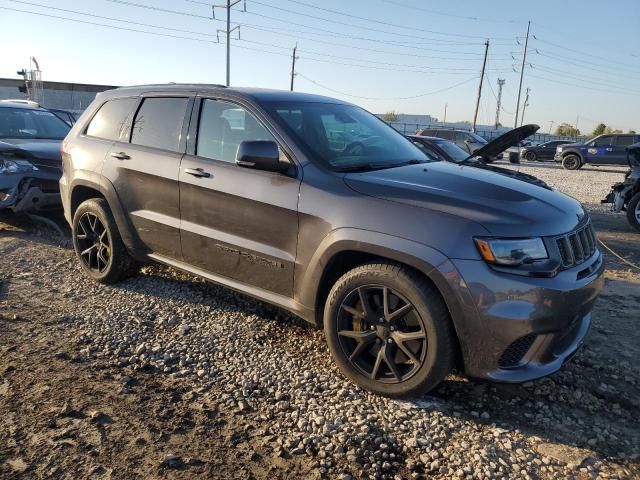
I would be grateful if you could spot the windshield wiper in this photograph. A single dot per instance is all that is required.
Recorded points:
(368, 167)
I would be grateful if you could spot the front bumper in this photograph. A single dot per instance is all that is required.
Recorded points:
(29, 191)
(557, 157)
(517, 328)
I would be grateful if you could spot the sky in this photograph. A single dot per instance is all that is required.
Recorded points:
(407, 56)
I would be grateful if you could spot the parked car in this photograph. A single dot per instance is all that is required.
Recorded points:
(30, 159)
(601, 150)
(67, 117)
(466, 140)
(444, 150)
(544, 151)
(411, 266)
(625, 195)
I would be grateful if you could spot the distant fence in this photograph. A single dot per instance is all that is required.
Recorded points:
(488, 134)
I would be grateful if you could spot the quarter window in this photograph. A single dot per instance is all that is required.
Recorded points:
(111, 121)
(158, 123)
(223, 126)
(624, 141)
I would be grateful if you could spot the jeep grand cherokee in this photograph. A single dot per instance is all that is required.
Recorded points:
(412, 266)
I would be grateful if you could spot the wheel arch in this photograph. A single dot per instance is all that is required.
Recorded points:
(346, 249)
(91, 185)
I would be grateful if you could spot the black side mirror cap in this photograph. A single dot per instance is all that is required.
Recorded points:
(260, 155)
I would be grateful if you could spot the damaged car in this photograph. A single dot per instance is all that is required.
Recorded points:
(625, 195)
(443, 150)
(30, 158)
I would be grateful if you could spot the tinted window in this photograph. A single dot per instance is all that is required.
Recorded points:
(428, 150)
(429, 133)
(624, 141)
(606, 140)
(224, 125)
(446, 134)
(111, 120)
(454, 151)
(158, 123)
(31, 124)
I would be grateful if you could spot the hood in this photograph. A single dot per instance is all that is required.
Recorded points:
(503, 205)
(523, 177)
(506, 140)
(44, 154)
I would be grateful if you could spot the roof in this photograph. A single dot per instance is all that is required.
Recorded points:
(259, 94)
(25, 106)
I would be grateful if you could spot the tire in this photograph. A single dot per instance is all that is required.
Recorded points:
(97, 243)
(531, 156)
(633, 211)
(571, 162)
(420, 364)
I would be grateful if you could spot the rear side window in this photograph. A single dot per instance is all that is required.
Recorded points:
(624, 141)
(111, 120)
(158, 123)
(447, 135)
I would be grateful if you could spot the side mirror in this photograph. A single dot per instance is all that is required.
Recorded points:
(260, 155)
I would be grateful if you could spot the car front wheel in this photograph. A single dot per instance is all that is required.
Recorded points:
(97, 242)
(633, 211)
(388, 330)
(571, 162)
(531, 156)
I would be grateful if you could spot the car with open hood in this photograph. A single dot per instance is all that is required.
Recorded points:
(30, 158)
(412, 267)
(444, 150)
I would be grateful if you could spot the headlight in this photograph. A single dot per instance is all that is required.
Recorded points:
(16, 166)
(511, 252)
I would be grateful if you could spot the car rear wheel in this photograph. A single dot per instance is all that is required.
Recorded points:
(531, 156)
(571, 162)
(633, 211)
(388, 330)
(97, 242)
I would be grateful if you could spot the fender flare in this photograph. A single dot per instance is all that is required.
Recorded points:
(97, 182)
(421, 257)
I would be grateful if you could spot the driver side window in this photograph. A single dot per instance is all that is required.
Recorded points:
(223, 126)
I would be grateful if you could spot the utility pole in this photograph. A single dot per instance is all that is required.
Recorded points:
(445, 113)
(484, 64)
(551, 126)
(524, 58)
(501, 82)
(228, 32)
(293, 65)
(525, 105)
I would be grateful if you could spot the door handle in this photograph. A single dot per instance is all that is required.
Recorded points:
(609, 149)
(120, 155)
(197, 172)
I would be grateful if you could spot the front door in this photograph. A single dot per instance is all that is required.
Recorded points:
(600, 151)
(144, 172)
(236, 222)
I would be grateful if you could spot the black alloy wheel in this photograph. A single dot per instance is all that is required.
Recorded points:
(571, 162)
(381, 334)
(530, 156)
(98, 244)
(93, 243)
(388, 330)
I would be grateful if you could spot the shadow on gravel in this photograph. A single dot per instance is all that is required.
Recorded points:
(43, 227)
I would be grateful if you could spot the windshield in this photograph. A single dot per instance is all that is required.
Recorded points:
(477, 138)
(454, 151)
(345, 137)
(31, 123)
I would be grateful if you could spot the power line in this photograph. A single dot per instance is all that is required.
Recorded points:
(111, 18)
(435, 12)
(379, 22)
(158, 9)
(387, 98)
(377, 30)
(618, 92)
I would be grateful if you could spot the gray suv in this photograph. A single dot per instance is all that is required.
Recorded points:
(412, 266)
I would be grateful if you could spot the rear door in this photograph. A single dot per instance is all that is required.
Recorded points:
(144, 170)
(236, 222)
(619, 156)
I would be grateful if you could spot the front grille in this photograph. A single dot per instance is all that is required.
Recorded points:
(514, 353)
(577, 246)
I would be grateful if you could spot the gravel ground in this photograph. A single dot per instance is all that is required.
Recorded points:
(167, 376)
